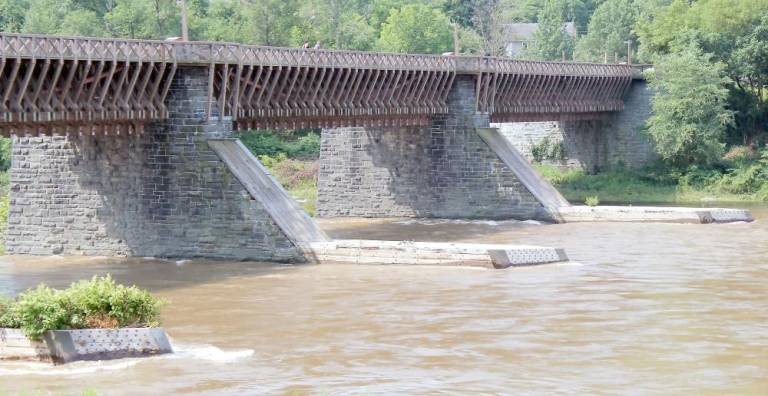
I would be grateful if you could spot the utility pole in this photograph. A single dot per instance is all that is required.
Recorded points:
(184, 22)
(455, 38)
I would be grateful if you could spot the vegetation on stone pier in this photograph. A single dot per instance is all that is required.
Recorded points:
(95, 303)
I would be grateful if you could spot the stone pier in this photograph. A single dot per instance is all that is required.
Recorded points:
(442, 170)
(615, 141)
(162, 193)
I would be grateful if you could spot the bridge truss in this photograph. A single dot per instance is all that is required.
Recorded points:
(61, 85)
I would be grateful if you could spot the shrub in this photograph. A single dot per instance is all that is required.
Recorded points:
(95, 303)
(5, 154)
(7, 315)
(592, 201)
(548, 150)
(4, 205)
(273, 143)
(298, 177)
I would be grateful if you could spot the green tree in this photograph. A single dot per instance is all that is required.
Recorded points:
(488, 18)
(748, 66)
(525, 10)
(689, 116)
(45, 16)
(378, 11)
(336, 24)
(81, 23)
(131, 19)
(270, 21)
(12, 15)
(731, 31)
(608, 31)
(551, 40)
(227, 21)
(416, 28)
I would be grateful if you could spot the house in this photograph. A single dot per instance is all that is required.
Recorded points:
(519, 36)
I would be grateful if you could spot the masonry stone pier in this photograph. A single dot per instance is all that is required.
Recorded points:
(446, 170)
(614, 141)
(162, 193)
(441, 170)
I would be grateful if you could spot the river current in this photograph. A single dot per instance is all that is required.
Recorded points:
(667, 309)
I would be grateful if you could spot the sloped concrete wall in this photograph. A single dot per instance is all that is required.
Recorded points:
(164, 193)
(443, 170)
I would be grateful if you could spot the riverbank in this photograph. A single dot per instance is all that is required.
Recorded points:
(652, 186)
(621, 187)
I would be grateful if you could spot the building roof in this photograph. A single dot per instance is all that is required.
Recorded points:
(525, 31)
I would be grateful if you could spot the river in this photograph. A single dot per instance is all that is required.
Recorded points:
(642, 309)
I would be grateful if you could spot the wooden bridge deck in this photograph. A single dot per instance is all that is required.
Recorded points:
(70, 84)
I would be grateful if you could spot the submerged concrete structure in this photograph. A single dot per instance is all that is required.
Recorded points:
(125, 147)
(65, 346)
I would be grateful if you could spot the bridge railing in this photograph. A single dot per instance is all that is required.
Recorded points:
(69, 48)
(517, 66)
(60, 47)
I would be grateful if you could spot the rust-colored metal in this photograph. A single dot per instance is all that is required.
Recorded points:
(112, 86)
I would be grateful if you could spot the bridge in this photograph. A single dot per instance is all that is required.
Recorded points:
(126, 147)
(64, 84)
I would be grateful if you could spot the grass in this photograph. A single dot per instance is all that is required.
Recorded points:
(636, 187)
(4, 205)
(298, 177)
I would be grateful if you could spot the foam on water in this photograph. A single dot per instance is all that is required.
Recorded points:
(8, 368)
(492, 223)
(208, 352)
(204, 352)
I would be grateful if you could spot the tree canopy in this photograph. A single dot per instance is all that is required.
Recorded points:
(689, 108)
(416, 20)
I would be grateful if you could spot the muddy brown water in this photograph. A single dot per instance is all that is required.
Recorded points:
(643, 309)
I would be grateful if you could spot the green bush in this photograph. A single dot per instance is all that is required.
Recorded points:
(94, 303)
(4, 205)
(7, 318)
(592, 201)
(548, 150)
(5, 154)
(298, 144)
